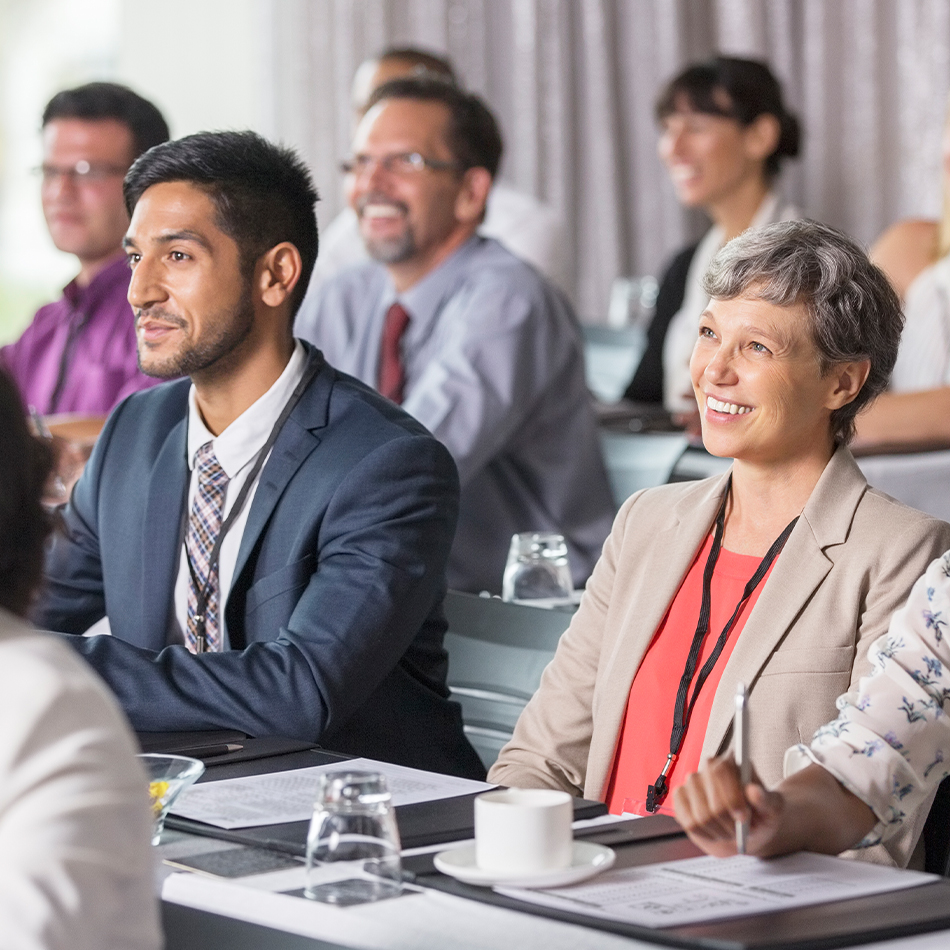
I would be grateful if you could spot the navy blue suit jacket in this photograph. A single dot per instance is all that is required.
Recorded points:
(334, 614)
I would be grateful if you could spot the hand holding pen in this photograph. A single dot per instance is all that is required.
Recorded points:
(723, 807)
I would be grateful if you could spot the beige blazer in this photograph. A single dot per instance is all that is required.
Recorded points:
(847, 565)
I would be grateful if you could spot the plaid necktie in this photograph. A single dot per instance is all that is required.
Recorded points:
(203, 527)
(392, 373)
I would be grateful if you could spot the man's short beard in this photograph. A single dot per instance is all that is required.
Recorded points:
(212, 356)
(392, 250)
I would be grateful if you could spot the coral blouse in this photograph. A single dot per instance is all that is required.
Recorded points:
(644, 741)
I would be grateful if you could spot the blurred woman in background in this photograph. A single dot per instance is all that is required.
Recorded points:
(915, 255)
(725, 131)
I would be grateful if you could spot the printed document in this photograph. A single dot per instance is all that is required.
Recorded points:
(699, 890)
(278, 797)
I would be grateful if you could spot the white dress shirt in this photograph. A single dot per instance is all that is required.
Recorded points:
(923, 360)
(236, 448)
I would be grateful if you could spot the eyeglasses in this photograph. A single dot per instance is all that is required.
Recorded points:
(400, 163)
(81, 173)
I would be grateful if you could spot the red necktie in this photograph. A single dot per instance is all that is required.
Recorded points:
(392, 374)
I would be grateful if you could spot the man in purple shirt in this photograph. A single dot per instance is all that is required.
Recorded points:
(79, 353)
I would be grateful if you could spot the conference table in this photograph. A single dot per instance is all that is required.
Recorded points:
(437, 911)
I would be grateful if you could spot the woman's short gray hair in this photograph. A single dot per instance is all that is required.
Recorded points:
(855, 313)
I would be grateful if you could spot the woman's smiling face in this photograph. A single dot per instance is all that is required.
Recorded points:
(756, 374)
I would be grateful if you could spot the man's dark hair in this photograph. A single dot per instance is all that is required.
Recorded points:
(740, 89)
(472, 134)
(263, 193)
(25, 465)
(424, 62)
(108, 100)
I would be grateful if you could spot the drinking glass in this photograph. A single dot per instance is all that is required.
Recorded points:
(353, 844)
(168, 777)
(537, 569)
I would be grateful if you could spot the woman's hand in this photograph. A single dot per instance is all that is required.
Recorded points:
(808, 811)
(712, 800)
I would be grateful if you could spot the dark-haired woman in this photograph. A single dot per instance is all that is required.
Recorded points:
(725, 131)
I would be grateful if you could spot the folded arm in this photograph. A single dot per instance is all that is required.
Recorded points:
(907, 422)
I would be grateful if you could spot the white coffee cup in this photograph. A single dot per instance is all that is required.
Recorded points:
(523, 830)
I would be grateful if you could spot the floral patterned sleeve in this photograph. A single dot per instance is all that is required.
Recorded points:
(890, 744)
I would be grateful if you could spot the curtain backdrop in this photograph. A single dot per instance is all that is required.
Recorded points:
(572, 83)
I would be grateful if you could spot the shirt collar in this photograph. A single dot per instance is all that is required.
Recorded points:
(110, 275)
(424, 300)
(245, 437)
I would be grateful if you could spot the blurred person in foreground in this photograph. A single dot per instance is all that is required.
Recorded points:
(779, 574)
(868, 774)
(76, 863)
(470, 340)
(725, 131)
(267, 536)
(518, 221)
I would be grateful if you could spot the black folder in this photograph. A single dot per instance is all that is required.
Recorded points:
(420, 824)
(838, 924)
(194, 743)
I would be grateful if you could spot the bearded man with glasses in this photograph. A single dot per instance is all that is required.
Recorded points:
(469, 339)
(79, 353)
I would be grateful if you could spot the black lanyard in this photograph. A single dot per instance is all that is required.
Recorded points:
(203, 593)
(681, 716)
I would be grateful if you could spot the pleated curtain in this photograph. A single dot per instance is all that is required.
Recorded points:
(573, 82)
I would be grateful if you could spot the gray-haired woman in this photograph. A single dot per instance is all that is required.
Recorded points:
(779, 574)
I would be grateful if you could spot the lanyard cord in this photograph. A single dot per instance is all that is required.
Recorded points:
(203, 592)
(682, 713)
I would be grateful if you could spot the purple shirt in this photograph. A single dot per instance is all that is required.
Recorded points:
(95, 325)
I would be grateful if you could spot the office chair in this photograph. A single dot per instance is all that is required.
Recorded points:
(497, 652)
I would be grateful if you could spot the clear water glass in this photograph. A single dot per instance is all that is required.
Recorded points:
(537, 569)
(353, 845)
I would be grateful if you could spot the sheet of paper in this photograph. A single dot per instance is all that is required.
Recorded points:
(698, 890)
(288, 796)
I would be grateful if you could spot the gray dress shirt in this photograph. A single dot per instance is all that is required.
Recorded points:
(494, 369)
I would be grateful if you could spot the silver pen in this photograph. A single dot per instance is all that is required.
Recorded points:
(740, 731)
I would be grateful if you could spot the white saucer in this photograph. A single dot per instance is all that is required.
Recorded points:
(588, 859)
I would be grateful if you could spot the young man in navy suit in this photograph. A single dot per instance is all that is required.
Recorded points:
(267, 539)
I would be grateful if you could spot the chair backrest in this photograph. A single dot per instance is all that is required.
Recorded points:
(497, 652)
(639, 460)
(937, 832)
(611, 356)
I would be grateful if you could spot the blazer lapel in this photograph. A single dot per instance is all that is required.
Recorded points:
(656, 581)
(294, 444)
(164, 509)
(798, 572)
